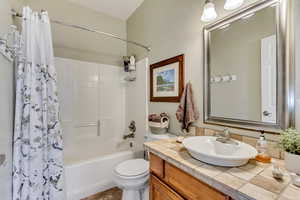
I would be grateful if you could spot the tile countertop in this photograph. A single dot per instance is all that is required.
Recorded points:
(248, 182)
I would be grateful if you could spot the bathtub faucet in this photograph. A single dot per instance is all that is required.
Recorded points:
(132, 129)
(130, 135)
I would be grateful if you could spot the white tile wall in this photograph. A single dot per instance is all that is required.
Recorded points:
(137, 102)
(90, 92)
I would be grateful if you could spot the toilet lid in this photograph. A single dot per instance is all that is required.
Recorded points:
(133, 167)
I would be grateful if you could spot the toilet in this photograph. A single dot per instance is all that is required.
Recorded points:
(132, 177)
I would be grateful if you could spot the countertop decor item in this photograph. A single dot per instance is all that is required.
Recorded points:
(290, 143)
(277, 172)
(159, 123)
(262, 148)
(167, 80)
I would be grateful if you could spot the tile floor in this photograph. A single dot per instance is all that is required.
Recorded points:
(111, 194)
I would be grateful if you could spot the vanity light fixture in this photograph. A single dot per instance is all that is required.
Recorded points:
(209, 11)
(233, 4)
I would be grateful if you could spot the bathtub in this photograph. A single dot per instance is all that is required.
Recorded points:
(92, 176)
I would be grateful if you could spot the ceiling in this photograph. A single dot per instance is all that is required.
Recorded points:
(121, 9)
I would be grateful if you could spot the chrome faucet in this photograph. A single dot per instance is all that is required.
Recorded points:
(224, 137)
(130, 135)
(132, 129)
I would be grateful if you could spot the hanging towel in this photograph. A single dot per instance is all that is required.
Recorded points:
(187, 112)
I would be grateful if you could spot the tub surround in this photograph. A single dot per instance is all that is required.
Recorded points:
(251, 181)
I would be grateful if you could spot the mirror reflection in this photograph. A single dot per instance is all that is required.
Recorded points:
(243, 68)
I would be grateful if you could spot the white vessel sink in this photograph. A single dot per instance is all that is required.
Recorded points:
(208, 150)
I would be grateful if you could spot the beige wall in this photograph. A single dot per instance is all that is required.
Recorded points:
(82, 45)
(6, 106)
(173, 27)
(237, 51)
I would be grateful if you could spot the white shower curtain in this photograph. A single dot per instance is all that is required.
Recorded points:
(37, 145)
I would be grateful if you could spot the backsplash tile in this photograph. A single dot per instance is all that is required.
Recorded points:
(209, 132)
(199, 131)
(237, 137)
(250, 141)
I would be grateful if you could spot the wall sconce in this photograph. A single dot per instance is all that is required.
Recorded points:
(233, 4)
(209, 11)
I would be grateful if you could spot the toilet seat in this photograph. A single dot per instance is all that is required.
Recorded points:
(132, 168)
(133, 177)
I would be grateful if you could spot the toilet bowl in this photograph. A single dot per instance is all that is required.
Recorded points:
(132, 177)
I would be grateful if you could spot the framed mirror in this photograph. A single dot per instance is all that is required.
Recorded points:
(248, 68)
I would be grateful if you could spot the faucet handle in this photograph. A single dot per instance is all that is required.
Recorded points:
(132, 127)
(226, 130)
(225, 133)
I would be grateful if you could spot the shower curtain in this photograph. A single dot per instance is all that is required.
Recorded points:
(37, 144)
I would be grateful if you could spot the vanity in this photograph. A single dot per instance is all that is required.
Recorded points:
(175, 175)
(165, 176)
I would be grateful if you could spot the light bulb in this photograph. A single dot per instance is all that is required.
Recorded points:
(233, 4)
(209, 11)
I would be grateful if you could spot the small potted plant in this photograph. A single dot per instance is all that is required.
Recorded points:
(290, 143)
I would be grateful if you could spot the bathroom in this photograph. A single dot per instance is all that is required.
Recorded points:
(114, 119)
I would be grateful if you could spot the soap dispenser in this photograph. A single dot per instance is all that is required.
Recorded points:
(262, 149)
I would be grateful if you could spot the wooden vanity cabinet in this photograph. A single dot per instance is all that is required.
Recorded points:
(157, 166)
(167, 182)
(160, 191)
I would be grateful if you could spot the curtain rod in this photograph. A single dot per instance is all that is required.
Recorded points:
(16, 14)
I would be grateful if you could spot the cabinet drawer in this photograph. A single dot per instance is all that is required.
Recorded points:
(157, 165)
(190, 187)
(160, 191)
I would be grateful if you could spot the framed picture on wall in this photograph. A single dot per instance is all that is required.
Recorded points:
(167, 80)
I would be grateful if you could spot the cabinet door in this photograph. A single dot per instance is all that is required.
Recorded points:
(190, 187)
(157, 165)
(160, 191)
